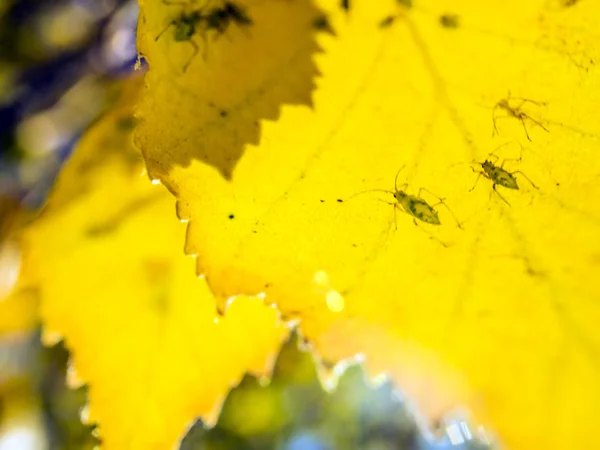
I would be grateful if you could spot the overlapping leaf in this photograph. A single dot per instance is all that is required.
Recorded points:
(18, 302)
(496, 310)
(107, 258)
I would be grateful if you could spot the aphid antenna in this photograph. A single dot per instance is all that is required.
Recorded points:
(396, 178)
(368, 191)
(493, 152)
(507, 159)
(462, 163)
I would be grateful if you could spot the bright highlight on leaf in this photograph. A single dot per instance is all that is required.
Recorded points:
(270, 43)
(107, 258)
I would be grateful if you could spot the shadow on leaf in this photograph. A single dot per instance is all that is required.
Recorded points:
(213, 77)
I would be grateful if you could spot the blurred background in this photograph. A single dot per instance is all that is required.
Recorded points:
(59, 64)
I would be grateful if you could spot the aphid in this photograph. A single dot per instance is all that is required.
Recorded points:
(188, 24)
(220, 18)
(515, 112)
(185, 28)
(414, 205)
(498, 175)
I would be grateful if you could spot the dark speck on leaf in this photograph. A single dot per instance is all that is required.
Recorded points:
(321, 23)
(223, 113)
(569, 3)
(387, 21)
(449, 20)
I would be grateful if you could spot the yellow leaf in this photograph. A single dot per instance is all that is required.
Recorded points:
(497, 310)
(106, 255)
(18, 303)
(19, 311)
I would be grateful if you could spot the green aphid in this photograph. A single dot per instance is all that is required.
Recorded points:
(219, 19)
(500, 176)
(414, 205)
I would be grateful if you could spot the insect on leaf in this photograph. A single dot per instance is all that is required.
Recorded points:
(502, 321)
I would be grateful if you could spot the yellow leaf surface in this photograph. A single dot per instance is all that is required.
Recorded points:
(107, 257)
(496, 310)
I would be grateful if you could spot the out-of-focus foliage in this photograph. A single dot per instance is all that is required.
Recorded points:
(266, 125)
(37, 409)
(57, 64)
(105, 255)
(293, 412)
(63, 406)
(18, 303)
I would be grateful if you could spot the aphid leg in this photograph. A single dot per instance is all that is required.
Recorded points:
(526, 177)
(441, 202)
(512, 114)
(479, 174)
(516, 112)
(191, 58)
(499, 195)
(431, 236)
(521, 118)
(494, 119)
(526, 100)
(204, 45)
(164, 30)
(394, 205)
(537, 122)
